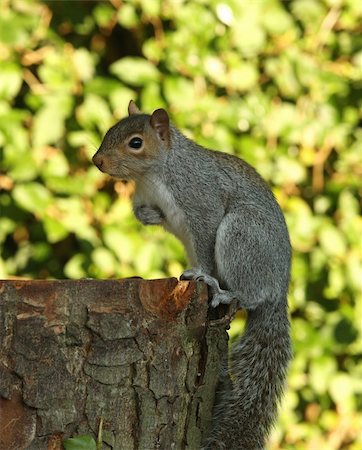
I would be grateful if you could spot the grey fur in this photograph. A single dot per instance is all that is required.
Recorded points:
(237, 240)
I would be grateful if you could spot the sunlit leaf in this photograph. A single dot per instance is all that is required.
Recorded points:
(332, 240)
(10, 80)
(94, 112)
(75, 267)
(33, 197)
(135, 71)
(80, 443)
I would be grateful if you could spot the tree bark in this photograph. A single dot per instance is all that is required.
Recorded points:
(136, 355)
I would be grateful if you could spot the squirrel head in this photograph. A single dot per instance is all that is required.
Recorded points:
(135, 144)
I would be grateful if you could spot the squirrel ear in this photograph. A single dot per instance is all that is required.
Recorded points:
(161, 123)
(133, 109)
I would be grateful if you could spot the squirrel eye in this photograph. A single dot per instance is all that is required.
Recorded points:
(135, 142)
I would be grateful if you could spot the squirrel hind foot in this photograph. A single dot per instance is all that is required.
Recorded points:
(197, 274)
(222, 298)
(219, 296)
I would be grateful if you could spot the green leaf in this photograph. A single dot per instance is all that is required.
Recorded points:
(104, 262)
(342, 390)
(120, 98)
(33, 197)
(332, 241)
(68, 185)
(49, 126)
(247, 33)
(95, 113)
(147, 259)
(321, 371)
(103, 13)
(289, 170)
(135, 71)
(22, 166)
(55, 166)
(10, 80)
(84, 63)
(57, 72)
(101, 86)
(118, 241)
(180, 93)
(283, 72)
(276, 20)
(309, 11)
(127, 16)
(151, 9)
(54, 229)
(242, 77)
(7, 226)
(74, 218)
(15, 27)
(80, 443)
(75, 267)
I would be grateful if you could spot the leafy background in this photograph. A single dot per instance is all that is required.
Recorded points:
(278, 83)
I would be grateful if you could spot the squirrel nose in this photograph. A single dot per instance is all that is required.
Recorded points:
(98, 160)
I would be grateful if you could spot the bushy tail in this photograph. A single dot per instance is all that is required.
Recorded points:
(245, 412)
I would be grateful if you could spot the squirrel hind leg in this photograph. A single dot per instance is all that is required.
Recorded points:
(243, 263)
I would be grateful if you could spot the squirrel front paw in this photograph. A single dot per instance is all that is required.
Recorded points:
(149, 215)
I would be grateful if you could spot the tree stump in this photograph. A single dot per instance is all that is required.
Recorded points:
(136, 355)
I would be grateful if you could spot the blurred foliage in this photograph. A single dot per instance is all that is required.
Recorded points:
(278, 83)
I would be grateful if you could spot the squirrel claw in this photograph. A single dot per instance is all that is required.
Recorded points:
(219, 296)
(199, 275)
(188, 274)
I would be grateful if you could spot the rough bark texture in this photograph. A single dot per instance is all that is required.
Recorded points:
(137, 354)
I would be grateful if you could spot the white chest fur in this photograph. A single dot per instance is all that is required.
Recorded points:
(155, 193)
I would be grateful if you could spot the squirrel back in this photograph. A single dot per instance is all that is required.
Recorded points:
(237, 242)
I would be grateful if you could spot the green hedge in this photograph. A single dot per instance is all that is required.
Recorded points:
(278, 83)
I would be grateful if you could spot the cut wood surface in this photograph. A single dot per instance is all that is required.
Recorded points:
(136, 354)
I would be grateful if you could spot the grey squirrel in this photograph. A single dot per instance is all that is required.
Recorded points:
(237, 241)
